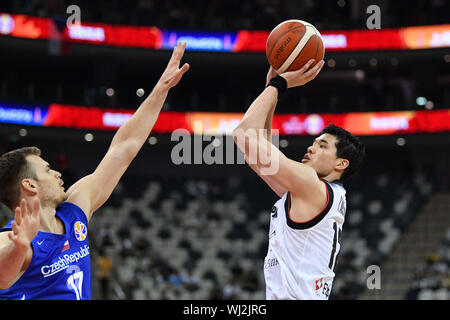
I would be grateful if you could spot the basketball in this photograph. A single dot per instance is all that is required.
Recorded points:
(293, 43)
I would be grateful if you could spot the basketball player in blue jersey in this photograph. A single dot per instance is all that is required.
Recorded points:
(306, 222)
(44, 250)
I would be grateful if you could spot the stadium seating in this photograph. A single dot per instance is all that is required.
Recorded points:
(432, 279)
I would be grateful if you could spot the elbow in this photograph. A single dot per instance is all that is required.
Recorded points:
(238, 135)
(235, 135)
(126, 151)
(131, 149)
(236, 130)
(239, 131)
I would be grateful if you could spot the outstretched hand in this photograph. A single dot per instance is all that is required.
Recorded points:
(26, 224)
(302, 76)
(173, 73)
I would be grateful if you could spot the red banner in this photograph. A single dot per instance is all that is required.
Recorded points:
(210, 123)
(423, 37)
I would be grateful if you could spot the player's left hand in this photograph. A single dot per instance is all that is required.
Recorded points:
(26, 223)
(302, 76)
(173, 73)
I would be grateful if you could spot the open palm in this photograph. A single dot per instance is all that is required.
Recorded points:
(173, 72)
(26, 224)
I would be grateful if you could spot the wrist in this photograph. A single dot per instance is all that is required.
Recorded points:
(279, 83)
(273, 90)
(21, 245)
(159, 91)
(161, 87)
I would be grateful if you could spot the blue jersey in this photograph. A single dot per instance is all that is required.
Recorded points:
(60, 268)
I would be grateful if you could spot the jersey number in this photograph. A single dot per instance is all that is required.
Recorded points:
(336, 239)
(75, 282)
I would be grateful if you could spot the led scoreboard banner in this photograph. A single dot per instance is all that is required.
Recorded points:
(79, 117)
(216, 123)
(406, 38)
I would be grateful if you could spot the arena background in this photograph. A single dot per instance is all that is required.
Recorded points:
(200, 231)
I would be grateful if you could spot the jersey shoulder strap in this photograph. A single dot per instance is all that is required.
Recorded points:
(314, 221)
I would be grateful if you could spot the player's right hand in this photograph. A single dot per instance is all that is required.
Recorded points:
(26, 224)
(173, 73)
(302, 76)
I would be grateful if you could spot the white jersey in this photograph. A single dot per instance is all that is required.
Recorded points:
(301, 257)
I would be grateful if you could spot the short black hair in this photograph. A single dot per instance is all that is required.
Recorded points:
(13, 168)
(348, 147)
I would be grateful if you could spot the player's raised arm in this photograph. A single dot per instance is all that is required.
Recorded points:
(277, 188)
(281, 173)
(93, 190)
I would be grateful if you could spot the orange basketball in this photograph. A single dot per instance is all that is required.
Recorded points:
(292, 43)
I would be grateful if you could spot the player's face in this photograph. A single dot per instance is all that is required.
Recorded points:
(50, 185)
(321, 155)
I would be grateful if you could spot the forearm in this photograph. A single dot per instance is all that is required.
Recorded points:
(268, 130)
(260, 113)
(135, 131)
(12, 257)
(257, 120)
(268, 124)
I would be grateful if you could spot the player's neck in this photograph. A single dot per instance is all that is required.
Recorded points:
(332, 176)
(50, 222)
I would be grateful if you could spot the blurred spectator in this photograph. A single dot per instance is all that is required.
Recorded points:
(432, 279)
(190, 281)
(232, 289)
(105, 265)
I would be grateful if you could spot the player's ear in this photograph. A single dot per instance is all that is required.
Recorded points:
(342, 164)
(29, 186)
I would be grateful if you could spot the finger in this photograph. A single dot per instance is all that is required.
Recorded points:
(177, 47)
(181, 50)
(18, 215)
(322, 63)
(320, 66)
(271, 70)
(23, 208)
(314, 71)
(180, 73)
(307, 65)
(185, 68)
(173, 57)
(270, 74)
(12, 236)
(14, 228)
(178, 51)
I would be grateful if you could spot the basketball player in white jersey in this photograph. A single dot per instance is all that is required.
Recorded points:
(306, 222)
